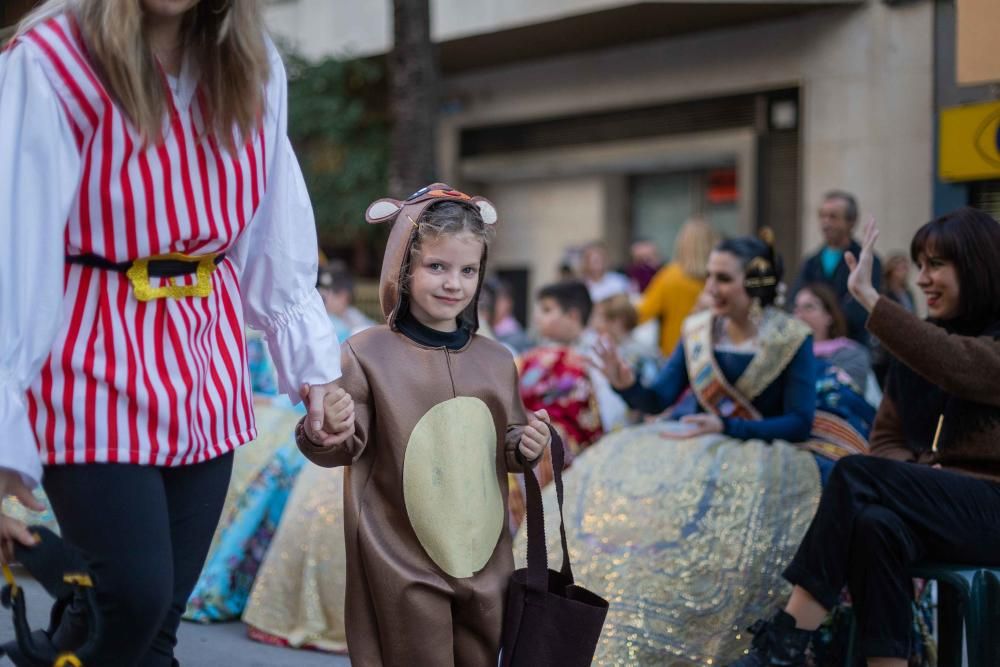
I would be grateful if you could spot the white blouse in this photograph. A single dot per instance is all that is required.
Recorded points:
(273, 261)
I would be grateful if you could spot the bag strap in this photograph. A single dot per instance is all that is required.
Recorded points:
(535, 516)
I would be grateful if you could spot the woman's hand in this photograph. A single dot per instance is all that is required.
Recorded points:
(536, 436)
(702, 424)
(331, 414)
(860, 280)
(619, 374)
(12, 530)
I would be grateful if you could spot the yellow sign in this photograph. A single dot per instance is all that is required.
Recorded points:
(969, 142)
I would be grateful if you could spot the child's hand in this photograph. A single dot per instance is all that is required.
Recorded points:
(338, 418)
(611, 364)
(536, 436)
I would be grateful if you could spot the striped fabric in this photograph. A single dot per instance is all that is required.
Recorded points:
(834, 437)
(163, 382)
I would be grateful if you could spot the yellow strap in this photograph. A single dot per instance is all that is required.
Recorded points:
(67, 660)
(9, 576)
(78, 579)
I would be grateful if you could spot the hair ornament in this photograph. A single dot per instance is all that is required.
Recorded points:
(780, 297)
(762, 281)
(766, 234)
(759, 265)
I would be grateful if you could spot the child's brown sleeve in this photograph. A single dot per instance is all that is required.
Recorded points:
(517, 417)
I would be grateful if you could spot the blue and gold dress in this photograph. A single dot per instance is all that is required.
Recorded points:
(262, 479)
(687, 538)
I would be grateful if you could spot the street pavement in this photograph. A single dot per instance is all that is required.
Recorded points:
(215, 645)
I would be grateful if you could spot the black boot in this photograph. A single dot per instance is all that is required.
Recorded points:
(776, 643)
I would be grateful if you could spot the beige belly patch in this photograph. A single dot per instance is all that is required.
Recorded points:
(450, 485)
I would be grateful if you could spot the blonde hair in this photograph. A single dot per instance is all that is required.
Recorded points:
(692, 246)
(224, 37)
(619, 308)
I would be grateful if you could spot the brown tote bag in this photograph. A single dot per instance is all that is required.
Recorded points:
(549, 620)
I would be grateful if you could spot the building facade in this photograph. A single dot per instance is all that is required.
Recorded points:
(613, 120)
(588, 119)
(967, 115)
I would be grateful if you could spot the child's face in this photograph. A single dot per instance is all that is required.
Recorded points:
(556, 324)
(599, 321)
(444, 278)
(607, 326)
(336, 303)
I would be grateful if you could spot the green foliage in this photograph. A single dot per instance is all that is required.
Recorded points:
(338, 125)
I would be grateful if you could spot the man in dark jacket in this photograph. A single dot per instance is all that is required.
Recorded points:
(837, 217)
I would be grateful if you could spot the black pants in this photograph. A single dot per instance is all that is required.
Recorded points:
(147, 531)
(875, 518)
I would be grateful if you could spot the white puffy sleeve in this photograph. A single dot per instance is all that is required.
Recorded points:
(277, 257)
(39, 176)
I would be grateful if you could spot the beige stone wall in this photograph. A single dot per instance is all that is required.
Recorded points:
(598, 174)
(539, 218)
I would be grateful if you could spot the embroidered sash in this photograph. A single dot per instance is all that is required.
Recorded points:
(710, 386)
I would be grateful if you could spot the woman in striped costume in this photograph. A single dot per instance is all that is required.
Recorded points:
(150, 205)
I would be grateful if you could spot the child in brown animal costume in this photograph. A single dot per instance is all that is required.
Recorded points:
(438, 424)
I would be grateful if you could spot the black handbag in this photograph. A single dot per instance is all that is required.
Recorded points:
(64, 573)
(549, 620)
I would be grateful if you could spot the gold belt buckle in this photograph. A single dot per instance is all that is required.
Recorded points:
(138, 275)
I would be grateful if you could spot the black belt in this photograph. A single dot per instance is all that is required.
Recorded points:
(158, 268)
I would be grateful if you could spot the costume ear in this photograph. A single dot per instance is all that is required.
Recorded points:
(486, 209)
(382, 210)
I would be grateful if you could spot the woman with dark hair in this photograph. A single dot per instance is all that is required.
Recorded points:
(932, 489)
(817, 305)
(685, 524)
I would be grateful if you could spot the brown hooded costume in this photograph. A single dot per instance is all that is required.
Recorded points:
(425, 493)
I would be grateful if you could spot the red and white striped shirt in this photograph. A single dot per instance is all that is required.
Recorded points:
(113, 379)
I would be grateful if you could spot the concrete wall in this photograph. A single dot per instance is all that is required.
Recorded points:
(362, 27)
(541, 217)
(865, 76)
(552, 199)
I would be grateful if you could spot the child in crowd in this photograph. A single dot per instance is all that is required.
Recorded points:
(615, 318)
(508, 330)
(557, 375)
(336, 286)
(437, 425)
